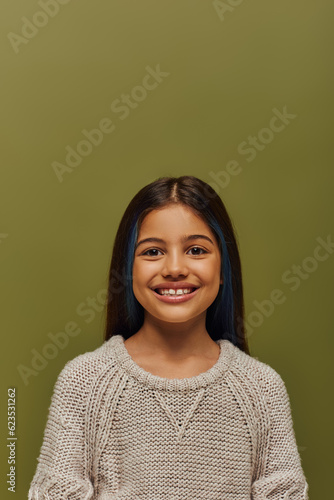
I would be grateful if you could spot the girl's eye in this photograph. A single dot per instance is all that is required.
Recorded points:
(198, 248)
(151, 250)
(156, 250)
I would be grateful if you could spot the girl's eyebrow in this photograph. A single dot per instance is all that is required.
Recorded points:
(183, 240)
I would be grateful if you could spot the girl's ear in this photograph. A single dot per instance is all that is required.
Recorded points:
(221, 281)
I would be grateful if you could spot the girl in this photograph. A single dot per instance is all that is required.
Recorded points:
(171, 405)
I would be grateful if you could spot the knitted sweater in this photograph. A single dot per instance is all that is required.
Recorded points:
(115, 431)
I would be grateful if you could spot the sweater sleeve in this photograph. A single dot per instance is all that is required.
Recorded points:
(60, 472)
(282, 476)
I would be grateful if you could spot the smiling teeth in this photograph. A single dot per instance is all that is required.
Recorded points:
(179, 291)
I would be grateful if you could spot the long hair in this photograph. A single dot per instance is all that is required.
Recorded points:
(225, 316)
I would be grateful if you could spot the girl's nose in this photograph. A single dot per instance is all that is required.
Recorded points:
(174, 265)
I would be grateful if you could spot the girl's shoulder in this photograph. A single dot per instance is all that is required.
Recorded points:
(79, 373)
(258, 376)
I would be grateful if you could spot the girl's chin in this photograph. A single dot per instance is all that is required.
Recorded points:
(173, 318)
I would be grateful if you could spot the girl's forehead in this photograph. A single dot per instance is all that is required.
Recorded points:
(173, 218)
(173, 224)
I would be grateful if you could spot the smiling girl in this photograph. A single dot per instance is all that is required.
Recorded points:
(171, 405)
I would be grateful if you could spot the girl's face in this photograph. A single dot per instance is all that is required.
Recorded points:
(182, 253)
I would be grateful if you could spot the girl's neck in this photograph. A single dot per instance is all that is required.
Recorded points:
(173, 340)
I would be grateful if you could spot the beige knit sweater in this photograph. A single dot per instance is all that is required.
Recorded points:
(116, 431)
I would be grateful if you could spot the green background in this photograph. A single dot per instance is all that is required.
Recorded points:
(226, 73)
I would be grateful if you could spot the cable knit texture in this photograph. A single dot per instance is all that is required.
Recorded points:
(115, 431)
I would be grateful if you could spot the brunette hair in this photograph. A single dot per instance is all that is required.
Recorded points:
(225, 316)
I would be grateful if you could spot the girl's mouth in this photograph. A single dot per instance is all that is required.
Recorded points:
(175, 296)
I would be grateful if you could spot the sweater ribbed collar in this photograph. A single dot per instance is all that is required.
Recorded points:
(204, 379)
